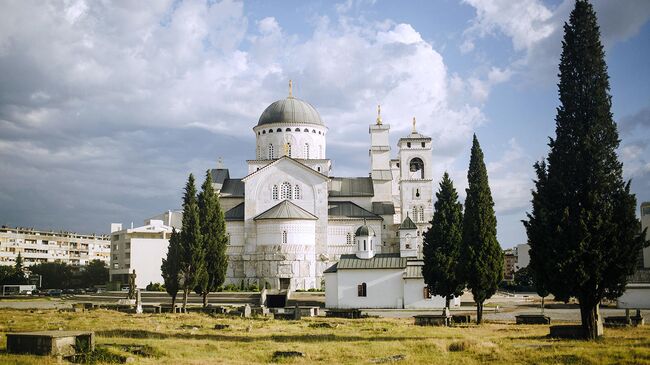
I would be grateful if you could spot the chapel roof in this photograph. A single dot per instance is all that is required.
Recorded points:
(408, 224)
(347, 209)
(232, 188)
(350, 186)
(379, 261)
(286, 210)
(236, 213)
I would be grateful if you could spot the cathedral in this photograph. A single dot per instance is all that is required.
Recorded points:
(289, 220)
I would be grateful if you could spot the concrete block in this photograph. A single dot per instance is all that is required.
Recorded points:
(54, 343)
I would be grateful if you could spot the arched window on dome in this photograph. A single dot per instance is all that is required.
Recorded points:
(297, 130)
(279, 130)
(270, 130)
(286, 130)
(275, 192)
(306, 151)
(264, 131)
(296, 192)
(271, 151)
(313, 131)
(285, 191)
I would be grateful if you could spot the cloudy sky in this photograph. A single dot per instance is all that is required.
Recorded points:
(106, 107)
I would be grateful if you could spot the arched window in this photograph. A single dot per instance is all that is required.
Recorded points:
(421, 211)
(270, 130)
(288, 130)
(313, 131)
(264, 131)
(416, 167)
(289, 149)
(271, 151)
(275, 192)
(285, 190)
(284, 236)
(318, 169)
(414, 213)
(279, 130)
(306, 151)
(348, 238)
(296, 192)
(364, 245)
(417, 193)
(297, 130)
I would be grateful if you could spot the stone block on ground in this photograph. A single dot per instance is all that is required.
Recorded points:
(432, 320)
(55, 343)
(461, 318)
(532, 319)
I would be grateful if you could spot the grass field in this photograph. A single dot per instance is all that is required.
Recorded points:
(192, 339)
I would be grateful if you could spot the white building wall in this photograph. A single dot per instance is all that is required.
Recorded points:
(414, 296)
(146, 259)
(310, 134)
(384, 288)
(523, 256)
(235, 231)
(331, 296)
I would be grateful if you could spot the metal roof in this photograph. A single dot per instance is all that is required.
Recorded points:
(408, 224)
(331, 269)
(350, 186)
(219, 175)
(364, 231)
(286, 210)
(236, 213)
(233, 187)
(290, 110)
(414, 270)
(348, 209)
(379, 261)
(383, 208)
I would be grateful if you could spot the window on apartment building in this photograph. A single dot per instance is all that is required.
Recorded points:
(362, 290)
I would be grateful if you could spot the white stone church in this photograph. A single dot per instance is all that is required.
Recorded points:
(288, 220)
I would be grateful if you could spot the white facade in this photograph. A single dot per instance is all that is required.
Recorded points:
(288, 246)
(35, 246)
(523, 255)
(141, 249)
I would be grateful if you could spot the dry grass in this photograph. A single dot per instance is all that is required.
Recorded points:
(192, 339)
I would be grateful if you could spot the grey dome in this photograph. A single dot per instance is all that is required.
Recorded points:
(290, 110)
(364, 231)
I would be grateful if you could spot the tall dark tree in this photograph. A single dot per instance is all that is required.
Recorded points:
(213, 232)
(481, 254)
(171, 266)
(441, 247)
(55, 275)
(94, 273)
(192, 257)
(583, 231)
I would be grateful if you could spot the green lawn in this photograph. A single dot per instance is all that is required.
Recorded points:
(192, 339)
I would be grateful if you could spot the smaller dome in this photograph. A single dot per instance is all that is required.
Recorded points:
(364, 231)
(290, 110)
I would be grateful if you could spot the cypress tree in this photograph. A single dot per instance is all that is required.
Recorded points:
(213, 231)
(441, 247)
(481, 255)
(583, 231)
(192, 257)
(171, 266)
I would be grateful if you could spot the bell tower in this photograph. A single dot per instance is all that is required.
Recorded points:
(416, 178)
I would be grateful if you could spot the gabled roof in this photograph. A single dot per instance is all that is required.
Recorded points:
(347, 209)
(219, 175)
(286, 158)
(379, 261)
(408, 224)
(350, 186)
(286, 210)
(236, 213)
(233, 188)
(383, 208)
(331, 269)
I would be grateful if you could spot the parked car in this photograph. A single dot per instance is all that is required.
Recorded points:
(79, 291)
(54, 292)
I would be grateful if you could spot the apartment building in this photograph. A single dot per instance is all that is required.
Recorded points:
(36, 246)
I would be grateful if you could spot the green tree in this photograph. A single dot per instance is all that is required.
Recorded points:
(19, 263)
(441, 247)
(481, 255)
(213, 233)
(55, 275)
(583, 231)
(94, 273)
(193, 255)
(171, 266)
